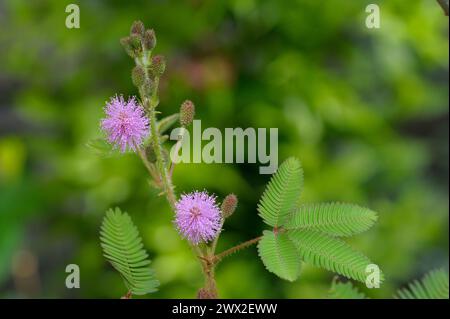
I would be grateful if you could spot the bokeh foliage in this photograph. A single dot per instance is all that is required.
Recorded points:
(366, 111)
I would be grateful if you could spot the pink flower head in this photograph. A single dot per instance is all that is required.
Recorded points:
(198, 217)
(125, 124)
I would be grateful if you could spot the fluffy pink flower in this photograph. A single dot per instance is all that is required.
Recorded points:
(198, 217)
(125, 124)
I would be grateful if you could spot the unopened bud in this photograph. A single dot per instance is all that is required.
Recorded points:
(149, 40)
(132, 45)
(138, 76)
(187, 113)
(229, 205)
(158, 65)
(137, 28)
(127, 46)
(135, 44)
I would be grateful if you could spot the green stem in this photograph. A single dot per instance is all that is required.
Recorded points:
(214, 244)
(160, 163)
(164, 178)
(150, 103)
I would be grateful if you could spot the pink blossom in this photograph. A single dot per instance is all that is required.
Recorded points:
(125, 124)
(198, 217)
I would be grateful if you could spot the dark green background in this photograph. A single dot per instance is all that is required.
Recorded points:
(366, 111)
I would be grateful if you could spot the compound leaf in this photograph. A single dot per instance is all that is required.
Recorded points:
(123, 248)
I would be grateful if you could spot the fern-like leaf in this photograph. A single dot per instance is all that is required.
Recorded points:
(345, 290)
(336, 219)
(282, 193)
(279, 255)
(324, 251)
(123, 248)
(434, 285)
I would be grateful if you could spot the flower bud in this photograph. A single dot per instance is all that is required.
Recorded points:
(149, 40)
(229, 205)
(158, 65)
(138, 76)
(135, 44)
(137, 28)
(127, 46)
(187, 113)
(132, 45)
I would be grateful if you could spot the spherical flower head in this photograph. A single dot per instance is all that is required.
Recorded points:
(198, 217)
(125, 124)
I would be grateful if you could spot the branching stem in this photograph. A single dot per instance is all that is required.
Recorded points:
(163, 178)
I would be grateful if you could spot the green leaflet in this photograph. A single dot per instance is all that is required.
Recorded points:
(282, 193)
(123, 248)
(324, 251)
(279, 255)
(336, 219)
(434, 285)
(345, 290)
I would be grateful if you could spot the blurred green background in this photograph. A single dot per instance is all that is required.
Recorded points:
(366, 111)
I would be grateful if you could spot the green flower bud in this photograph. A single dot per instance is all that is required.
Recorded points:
(158, 65)
(187, 113)
(229, 205)
(127, 46)
(149, 40)
(132, 45)
(136, 44)
(137, 28)
(138, 76)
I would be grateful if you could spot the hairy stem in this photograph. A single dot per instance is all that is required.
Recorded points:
(160, 163)
(150, 167)
(214, 244)
(151, 103)
(160, 172)
(217, 258)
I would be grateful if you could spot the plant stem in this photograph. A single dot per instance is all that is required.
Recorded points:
(160, 172)
(150, 103)
(232, 250)
(160, 163)
(150, 167)
(214, 244)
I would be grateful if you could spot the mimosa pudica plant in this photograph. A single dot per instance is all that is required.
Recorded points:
(296, 233)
